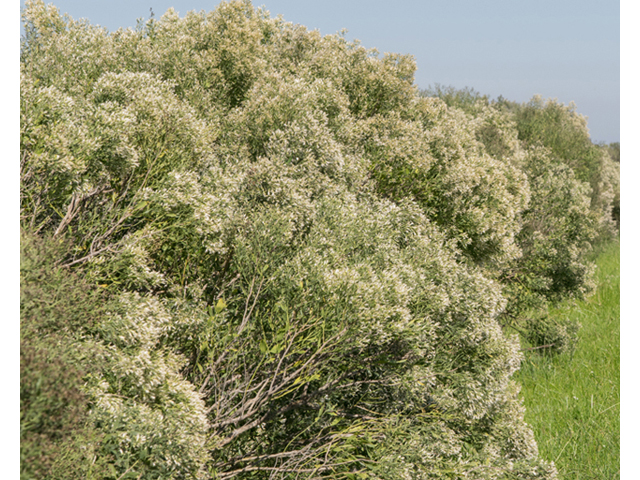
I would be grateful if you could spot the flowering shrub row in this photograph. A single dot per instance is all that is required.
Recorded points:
(307, 263)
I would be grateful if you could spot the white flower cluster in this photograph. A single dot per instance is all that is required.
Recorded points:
(140, 400)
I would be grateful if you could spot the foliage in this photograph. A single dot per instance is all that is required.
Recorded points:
(305, 260)
(466, 99)
(564, 132)
(57, 440)
(436, 160)
(614, 150)
(556, 237)
(573, 188)
(95, 393)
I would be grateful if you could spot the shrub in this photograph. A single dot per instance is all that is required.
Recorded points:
(561, 129)
(306, 261)
(556, 237)
(551, 335)
(57, 439)
(571, 185)
(97, 395)
(434, 159)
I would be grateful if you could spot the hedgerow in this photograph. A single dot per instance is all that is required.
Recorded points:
(306, 262)
(573, 205)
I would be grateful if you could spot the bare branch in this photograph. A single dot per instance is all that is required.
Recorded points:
(538, 348)
(74, 207)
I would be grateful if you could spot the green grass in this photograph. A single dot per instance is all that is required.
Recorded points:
(573, 403)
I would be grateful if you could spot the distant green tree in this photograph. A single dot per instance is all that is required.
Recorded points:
(614, 151)
(464, 99)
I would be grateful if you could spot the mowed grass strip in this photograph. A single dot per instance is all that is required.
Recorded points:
(573, 403)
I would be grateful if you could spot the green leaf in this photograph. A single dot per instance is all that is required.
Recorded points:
(220, 306)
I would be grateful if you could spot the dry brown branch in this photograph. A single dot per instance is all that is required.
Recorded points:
(538, 348)
(75, 205)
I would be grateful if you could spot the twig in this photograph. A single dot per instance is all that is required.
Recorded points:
(538, 348)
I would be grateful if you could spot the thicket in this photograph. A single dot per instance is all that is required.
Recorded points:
(56, 440)
(283, 261)
(574, 204)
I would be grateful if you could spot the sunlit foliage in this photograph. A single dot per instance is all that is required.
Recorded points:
(303, 262)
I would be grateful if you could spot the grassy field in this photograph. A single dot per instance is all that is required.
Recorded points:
(573, 403)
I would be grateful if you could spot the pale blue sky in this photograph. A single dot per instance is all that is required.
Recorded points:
(564, 49)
